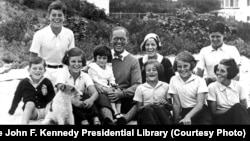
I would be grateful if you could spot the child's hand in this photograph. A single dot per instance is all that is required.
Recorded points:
(162, 102)
(44, 90)
(186, 120)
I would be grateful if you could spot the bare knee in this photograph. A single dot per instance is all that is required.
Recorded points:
(29, 106)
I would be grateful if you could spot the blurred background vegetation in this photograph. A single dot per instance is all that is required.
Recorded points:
(185, 27)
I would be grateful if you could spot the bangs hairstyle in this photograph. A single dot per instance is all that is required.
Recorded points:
(217, 27)
(119, 28)
(58, 5)
(72, 53)
(232, 67)
(158, 66)
(102, 50)
(185, 56)
(151, 36)
(37, 60)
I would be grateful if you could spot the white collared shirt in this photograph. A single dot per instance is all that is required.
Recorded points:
(145, 58)
(188, 90)
(51, 47)
(35, 85)
(149, 95)
(81, 83)
(209, 57)
(123, 54)
(226, 97)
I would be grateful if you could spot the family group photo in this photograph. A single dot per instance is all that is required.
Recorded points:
(130, 62)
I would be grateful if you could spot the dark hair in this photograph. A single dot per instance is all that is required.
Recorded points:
(72, 53)
(102, 50)
(185, 56)
(232, 67)
(58, 5)
(159, 67)
(37, 60)
(217, 27)
(119, 28)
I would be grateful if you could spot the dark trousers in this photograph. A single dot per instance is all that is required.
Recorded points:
(203, 117)
(81, 114)
(154, 115)
(237, 114)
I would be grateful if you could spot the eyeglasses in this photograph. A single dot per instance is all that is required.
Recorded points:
(214, 36)
(116, 39)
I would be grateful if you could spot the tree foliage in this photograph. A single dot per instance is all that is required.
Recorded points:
(142, 6)
(202, 6)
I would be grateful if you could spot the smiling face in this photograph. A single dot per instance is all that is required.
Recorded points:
(75, 65)
(56, 18)
(36, 71)
(151, 72)
(216, 39)
(119, 40)
(151, 47)
(184, 69)
(222, 73)
(101, 61)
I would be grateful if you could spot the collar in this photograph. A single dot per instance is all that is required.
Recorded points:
(222, 48)
(122, 55)
(145, 58)
(71, 77)
(191, 78)
(223, 87)
(33, 83)
(52, 35)
(159, 83)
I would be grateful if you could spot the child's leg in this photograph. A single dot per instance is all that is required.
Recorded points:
(113, 105)
(118, 107)
(29, 112)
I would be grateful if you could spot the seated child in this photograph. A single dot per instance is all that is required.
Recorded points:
(189, 92)
(153, 101)
(36, 91)
(102, 74)
(227, 98)
(84, 110)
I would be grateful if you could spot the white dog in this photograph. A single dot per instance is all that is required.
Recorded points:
(60, 110)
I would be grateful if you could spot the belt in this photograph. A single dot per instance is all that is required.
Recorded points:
(55, 66)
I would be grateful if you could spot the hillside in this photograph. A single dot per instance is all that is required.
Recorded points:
(8, 11)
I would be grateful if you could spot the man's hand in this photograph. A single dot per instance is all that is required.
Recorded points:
(115, 95)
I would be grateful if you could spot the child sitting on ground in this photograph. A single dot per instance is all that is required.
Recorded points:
(36, 91)
(84, 110)
(153, 100)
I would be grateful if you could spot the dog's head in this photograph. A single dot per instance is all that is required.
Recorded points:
(68, 89)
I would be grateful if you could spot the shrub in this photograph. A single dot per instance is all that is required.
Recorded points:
(14, 29)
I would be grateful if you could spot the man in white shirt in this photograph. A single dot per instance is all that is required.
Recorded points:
(214, 53)
(53, 41)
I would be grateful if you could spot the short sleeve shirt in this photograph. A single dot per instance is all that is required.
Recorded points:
(100, 75)
(81, 83)
(187, 91)
(149, 95)
(210, 57)
(50, 47)
(226, 97)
